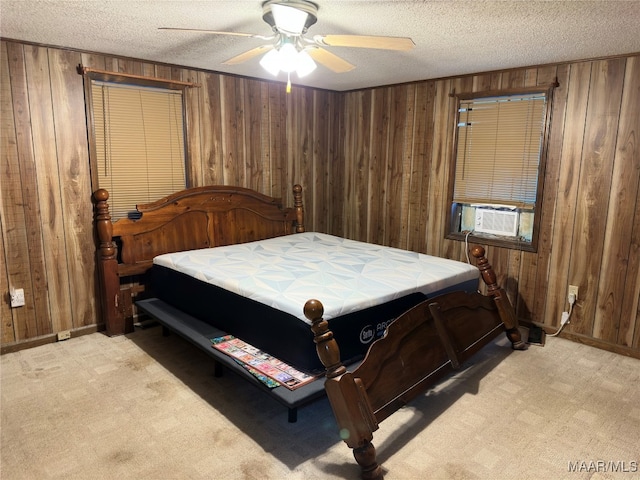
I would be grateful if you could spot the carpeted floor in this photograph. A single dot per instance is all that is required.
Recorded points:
(144, 406)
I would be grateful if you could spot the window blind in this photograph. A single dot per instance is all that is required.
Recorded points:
(498, 150)
(139, 135)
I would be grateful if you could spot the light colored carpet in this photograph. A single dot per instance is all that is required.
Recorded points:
(144, 406)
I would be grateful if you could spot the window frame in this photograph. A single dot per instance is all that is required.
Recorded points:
(452, 224)
(91, 75)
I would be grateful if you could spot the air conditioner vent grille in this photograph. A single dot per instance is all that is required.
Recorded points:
(498, 222)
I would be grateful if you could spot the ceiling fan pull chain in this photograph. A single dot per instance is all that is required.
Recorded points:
(288, 82)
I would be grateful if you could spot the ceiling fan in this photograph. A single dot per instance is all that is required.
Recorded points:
(289, 50)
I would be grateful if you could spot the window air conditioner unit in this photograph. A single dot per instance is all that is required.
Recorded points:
(498, 222)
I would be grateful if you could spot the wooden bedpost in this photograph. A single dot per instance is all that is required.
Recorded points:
(297, 205)
(111, 303)
(505, 309)
(326, 345)
(354, 415)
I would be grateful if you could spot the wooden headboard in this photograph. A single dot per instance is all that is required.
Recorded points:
(194, 218)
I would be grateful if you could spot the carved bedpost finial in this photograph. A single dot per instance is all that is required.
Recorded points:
(104, 227)
(326, 345)
(486, 270)
(297, 204)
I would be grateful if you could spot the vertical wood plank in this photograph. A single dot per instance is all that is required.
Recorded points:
(321, 108)
(230, 131)
(567, 190)
(420, 166)
(211, 133)
(13, 230)
(241, 121)
(73, 169)
(337, 169)
(360, 154)
(378, 190)
(253, 140)
(19, 201)
(126, 65)
(291, 142)
(303, 156)
(277, 127)
(616, 272)
(534, 267)
(603, 112)
(192, 99)
(264, 154)
(629, 334)
(50, 187)
(443, 122)
(397, 200)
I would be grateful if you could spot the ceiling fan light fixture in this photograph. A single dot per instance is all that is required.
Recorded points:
(293, 16)
(288, 19)
(288, 57)
(291, 51)
(271, 62)
(306, 65)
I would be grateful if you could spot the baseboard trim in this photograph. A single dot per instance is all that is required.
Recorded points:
(49, 338)
(592, 342)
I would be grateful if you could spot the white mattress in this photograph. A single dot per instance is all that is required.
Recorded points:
(345, 275)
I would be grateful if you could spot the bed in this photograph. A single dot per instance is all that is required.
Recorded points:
(152, 263)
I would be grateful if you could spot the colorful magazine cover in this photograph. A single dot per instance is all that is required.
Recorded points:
(269, 370)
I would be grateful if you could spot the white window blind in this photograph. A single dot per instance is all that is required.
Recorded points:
(139, 136)
(498, 150)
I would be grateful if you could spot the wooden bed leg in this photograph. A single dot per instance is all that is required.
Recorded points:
(353, 413)
(366, 458)
(505, 309)
(112, 308)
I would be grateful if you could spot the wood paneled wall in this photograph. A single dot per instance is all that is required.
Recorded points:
(374, 165)
(241, 132)
(397, 151)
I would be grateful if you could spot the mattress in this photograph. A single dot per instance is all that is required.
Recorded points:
(257, 291)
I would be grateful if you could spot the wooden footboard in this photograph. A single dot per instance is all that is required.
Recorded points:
(194, 218)
(418, 348)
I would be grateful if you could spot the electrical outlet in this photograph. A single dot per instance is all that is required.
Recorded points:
(64, 335)
(573, 290)
(17, 297)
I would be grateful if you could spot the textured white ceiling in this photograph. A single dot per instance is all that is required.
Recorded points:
(452, 37)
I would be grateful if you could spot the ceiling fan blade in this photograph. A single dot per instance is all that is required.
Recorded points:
(243, 57)
(365, 41)
(329, 60)
(214, 32)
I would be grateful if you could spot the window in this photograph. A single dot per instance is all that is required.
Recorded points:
(498, 156)
(138, 148)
